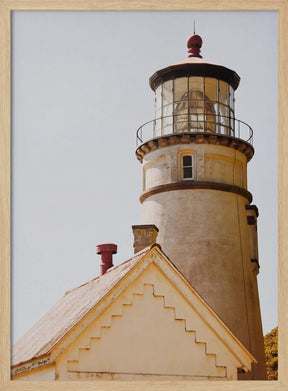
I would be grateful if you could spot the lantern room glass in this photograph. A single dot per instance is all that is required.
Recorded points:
(194, 104)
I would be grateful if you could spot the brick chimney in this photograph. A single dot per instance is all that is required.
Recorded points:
(144, 236)
(106, 250)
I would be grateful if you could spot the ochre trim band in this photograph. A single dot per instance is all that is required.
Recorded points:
(196, 185)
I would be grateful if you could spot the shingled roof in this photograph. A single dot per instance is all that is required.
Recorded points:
(73, 306)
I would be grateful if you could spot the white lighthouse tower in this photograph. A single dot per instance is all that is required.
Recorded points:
(194, 155)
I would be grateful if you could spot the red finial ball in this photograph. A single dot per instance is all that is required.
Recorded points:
(194, 44)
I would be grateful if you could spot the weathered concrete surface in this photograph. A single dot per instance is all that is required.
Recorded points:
(205, 234)
(215, 163)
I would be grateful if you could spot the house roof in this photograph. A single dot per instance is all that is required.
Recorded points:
(73, 306)
(79, 305)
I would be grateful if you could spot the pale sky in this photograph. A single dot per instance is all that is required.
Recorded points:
(79, 92)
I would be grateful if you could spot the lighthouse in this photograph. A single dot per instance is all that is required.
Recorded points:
(194, 155)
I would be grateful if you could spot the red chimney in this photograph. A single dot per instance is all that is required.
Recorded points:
(106, 251)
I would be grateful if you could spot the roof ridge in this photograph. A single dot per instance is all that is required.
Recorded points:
(115, 267)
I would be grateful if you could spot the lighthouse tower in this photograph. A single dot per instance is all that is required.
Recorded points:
(194, 156)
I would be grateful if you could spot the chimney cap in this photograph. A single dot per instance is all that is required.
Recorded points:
(145, 226)
(106, 247)
(144, 235)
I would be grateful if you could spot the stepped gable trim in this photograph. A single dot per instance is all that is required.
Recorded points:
(155, 255)
(202, 69)
(197, 138)
(228, 338)
(196, 185)
(73, 365)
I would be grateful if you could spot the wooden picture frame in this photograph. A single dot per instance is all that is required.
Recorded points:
(7, 6)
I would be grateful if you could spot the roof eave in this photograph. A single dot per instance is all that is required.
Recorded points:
(194, 69)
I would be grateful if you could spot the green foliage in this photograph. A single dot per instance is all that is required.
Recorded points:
(271, 353)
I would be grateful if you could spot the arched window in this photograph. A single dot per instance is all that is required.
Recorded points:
(187, 167)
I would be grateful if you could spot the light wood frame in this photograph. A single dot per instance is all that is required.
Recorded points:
(85, 5)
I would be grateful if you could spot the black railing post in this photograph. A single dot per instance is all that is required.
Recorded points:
(238, 129)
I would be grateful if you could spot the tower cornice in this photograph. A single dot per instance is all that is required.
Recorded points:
(197, 138)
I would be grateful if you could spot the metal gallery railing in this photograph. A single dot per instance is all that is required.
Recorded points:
(194, 123)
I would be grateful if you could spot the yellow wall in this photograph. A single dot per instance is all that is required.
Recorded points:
(149, 332)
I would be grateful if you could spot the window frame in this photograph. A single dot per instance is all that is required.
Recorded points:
(182, 154)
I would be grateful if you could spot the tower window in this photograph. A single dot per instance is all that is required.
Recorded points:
(187, 167)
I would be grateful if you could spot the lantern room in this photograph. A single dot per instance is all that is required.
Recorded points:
(194, 104)
(194, 96)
